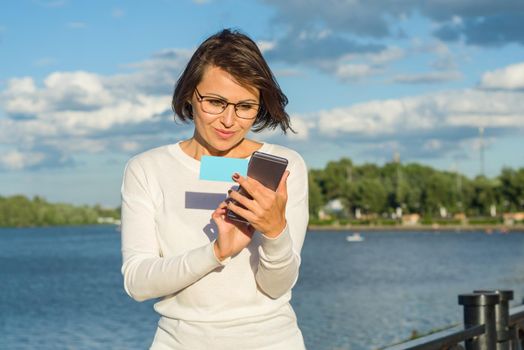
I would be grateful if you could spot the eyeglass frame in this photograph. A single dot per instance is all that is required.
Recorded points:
(201, 97)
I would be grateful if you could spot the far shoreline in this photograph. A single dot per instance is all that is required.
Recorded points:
(488, 229)
(495, 229)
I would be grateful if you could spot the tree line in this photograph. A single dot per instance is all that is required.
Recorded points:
(369, 189)
(20, 211)
(415, 188)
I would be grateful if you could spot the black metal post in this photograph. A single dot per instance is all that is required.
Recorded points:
(480, 309)
(514, 337)
(501, 317)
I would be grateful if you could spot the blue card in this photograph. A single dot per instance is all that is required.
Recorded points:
(221, 168)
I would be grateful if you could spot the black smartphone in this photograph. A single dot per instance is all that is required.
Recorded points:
(266, 169)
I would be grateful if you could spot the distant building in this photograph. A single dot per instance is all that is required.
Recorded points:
(332, 208)
(460, 216)
(334, 205)
(410, 219)
(108, 220)
(511, 218)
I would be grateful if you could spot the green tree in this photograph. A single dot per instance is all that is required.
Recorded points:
(19, 211)
(512, 189)
(484, 196)
(336, 177)
(370, 195)
(316, 201)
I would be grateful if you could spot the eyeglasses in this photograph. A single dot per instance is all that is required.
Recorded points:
(215, 105)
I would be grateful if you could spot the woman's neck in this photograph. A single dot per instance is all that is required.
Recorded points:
(195, 148)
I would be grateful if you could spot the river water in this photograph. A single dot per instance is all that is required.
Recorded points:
(61, 288)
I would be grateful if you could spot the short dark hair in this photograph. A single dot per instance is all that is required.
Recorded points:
(238, 55)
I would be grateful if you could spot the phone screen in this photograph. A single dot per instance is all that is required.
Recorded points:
(266, 169)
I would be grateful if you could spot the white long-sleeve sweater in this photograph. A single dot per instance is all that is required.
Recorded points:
(168, 236)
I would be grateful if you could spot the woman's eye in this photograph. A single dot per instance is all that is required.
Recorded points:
(216, 102)
(245, 106)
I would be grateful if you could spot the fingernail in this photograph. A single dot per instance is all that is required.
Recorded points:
(236, 176)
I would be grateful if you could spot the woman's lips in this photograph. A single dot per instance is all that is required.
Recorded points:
(224, 134)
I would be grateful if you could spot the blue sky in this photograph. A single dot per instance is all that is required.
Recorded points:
(85, 85)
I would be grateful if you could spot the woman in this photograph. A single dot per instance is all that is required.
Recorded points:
(223, 284)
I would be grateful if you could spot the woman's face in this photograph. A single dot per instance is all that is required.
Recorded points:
(219, 133)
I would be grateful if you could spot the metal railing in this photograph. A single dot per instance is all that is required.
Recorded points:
(489, 324)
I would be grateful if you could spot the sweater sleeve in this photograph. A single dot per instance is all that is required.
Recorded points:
(146, 273)
(280, 256)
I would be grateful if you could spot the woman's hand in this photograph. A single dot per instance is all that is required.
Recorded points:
(232, 236)
(266, 212)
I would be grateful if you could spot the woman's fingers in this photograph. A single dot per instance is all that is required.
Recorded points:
(251, 186)
(246, 214)
(220, 211)
(261, 195)
(282, 186)
(266, 209)
(246, 202)
(216, 214)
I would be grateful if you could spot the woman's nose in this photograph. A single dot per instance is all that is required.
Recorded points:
(228, 116)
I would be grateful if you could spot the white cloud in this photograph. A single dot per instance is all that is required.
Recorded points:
(427, 113)
(61, 91)
(357, 66)
(373, 118)
(432, 145)
(265, 45)
(79, 145)
(475, 144)
(80, 112)
(129, 146)
(420, 127)
(423, 127)
(354, 71)
(388, 55)
(70, 90)
(457, 20)
(20, 97)
(510, 77)
(15, 160)
(66, 114)
(301, 125)
(327, 50)
(152, 76)
(78, 104)
(279, 73)
(444, 59)
(429, 77)
(24, 85)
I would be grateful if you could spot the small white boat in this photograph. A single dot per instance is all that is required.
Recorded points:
(355, 237)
